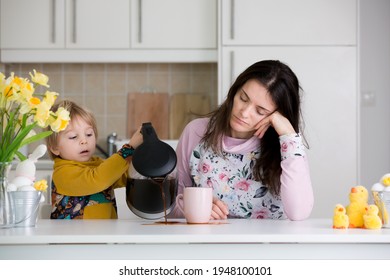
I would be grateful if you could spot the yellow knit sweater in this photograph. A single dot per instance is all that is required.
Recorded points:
(84, 190)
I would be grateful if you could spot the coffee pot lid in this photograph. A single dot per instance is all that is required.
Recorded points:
(153, 158)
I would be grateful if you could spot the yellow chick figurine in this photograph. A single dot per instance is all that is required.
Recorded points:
(385, 180)
(371, 218)
(358, 198)
(340, 218)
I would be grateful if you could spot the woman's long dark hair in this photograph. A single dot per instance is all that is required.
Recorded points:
(284, 89)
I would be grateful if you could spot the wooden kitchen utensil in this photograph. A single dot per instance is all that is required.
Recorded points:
(148, 107)
(184, 108)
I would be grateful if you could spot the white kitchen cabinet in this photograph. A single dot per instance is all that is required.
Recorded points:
(98, 24)
(174, 24)
(34, 24)
(286, 22)
(117, 31)
(325, 61)
(91, 24)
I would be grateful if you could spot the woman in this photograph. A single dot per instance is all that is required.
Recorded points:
(250, 150)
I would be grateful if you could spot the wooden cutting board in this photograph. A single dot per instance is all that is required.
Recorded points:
(148, 107)
(184, 108)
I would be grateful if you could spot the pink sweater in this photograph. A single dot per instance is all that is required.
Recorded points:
(296, 195)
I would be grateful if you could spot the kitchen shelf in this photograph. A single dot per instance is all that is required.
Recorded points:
(108, 56)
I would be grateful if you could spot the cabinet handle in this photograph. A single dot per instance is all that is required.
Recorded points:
(231, 67)
(232, 5)
(53, 26)
(139, 21)
(74, 20)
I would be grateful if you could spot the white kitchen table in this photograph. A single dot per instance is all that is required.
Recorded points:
(230, 239)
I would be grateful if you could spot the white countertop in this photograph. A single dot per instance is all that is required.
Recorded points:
(149, 232)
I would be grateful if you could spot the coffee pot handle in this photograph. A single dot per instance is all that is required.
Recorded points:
(148, 132)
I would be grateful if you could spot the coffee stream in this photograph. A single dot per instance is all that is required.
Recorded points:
(171, 183)
(160, 183)
(147, 195)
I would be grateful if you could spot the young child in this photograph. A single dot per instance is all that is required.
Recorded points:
(82, 185)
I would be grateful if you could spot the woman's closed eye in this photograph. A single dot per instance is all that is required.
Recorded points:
(243, 97)
(263, 112)
(259, 110)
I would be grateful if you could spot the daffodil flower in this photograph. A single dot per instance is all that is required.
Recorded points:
(50, 97)
(61, 121)
(42, 114)
(22, 109)
(39, 78)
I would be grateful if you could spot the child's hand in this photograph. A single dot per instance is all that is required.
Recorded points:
(136, 139)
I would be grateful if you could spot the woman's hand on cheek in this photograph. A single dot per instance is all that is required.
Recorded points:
(219, 210)
(262, 127)
(280, 123)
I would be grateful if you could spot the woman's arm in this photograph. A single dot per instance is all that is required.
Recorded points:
(190, 137)
(296, 188)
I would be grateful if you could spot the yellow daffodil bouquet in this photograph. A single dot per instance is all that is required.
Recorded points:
(22, 109)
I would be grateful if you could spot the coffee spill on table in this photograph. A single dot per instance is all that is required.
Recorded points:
(211, 223)
(159, 182)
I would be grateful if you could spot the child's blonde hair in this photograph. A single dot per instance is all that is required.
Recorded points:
(74, 111)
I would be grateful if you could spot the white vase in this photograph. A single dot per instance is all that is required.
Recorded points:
(7, 214)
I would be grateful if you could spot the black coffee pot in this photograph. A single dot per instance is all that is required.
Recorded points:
(153, 195)
(153, 158)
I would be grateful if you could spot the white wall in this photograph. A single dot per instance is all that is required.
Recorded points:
(374, 82)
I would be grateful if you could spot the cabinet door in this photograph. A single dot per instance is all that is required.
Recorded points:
(286, 22)
(175, 24)
(328, 77)
(27, 24)
(98, 24)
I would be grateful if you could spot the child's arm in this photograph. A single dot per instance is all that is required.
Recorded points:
(74, 178)
(79, 178)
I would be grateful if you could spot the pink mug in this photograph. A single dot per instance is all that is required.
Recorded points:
(196, 204)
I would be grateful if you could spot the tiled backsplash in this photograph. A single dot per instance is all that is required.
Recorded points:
(104, 87)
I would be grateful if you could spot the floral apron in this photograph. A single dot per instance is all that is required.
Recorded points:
(230, 177)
